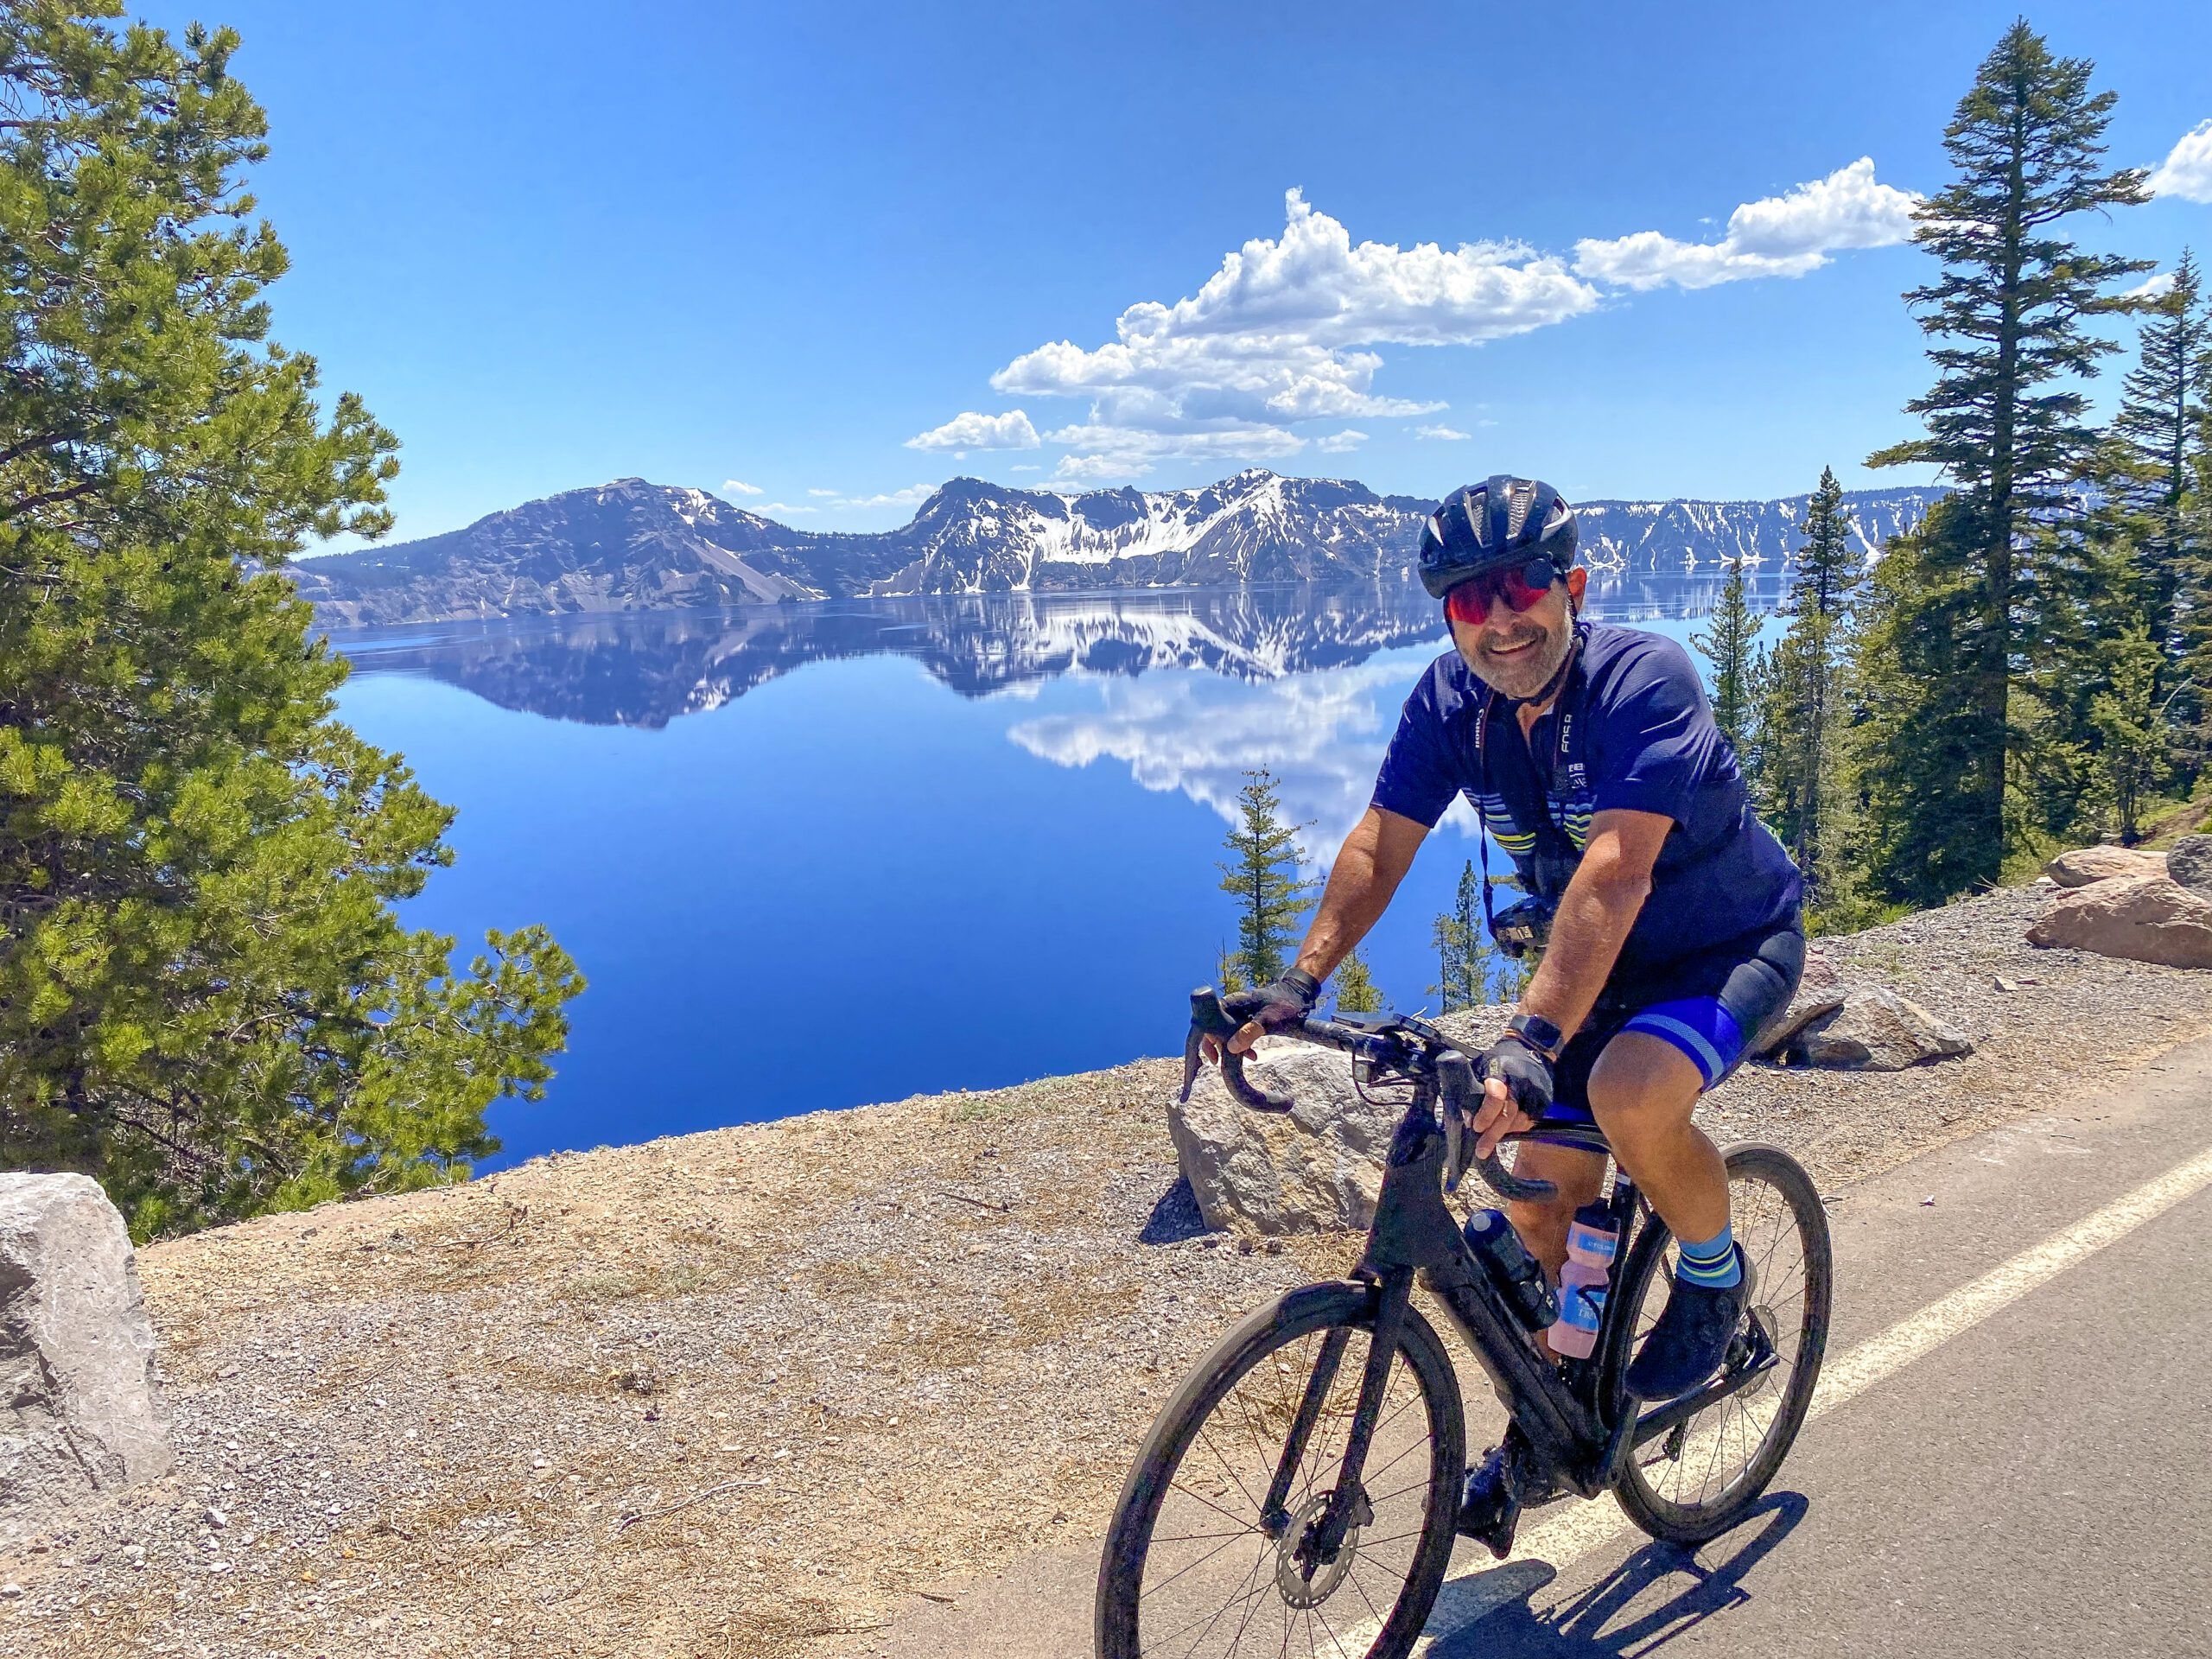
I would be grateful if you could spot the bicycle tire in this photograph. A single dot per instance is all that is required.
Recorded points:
(1310, 1311)
(1666, 1516)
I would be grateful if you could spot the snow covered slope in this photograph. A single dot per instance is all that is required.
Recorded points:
(631, 545)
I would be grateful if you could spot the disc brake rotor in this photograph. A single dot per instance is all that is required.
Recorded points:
(1290, 1576)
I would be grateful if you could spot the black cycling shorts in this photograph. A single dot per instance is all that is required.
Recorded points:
(1709, 1006)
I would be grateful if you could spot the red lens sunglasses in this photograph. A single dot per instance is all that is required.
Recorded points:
(1519, 585)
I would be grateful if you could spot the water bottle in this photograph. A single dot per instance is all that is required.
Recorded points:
(1511, 1268)
(1591, 1242)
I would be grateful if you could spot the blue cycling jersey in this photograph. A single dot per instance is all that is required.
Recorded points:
(1631, 728)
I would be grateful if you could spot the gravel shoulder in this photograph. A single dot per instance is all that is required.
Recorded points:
(753, 1391)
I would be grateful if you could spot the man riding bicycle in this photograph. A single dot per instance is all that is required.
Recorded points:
(1673, 914)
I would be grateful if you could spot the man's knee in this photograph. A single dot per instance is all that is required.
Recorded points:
(1642, 1084)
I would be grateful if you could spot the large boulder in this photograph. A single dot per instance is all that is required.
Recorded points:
(1876, 1030)
(1316, 1169)
(79, 1413)
(2087, 864)
(2190, 863)
(2141, 918)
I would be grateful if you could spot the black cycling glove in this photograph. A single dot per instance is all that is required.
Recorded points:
(1526, 1074)
(1282, 1002)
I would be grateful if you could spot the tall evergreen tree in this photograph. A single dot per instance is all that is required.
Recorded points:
(1915, 750)
(1263, 876)
(206, 1000)
(1467, 964)
(2127, 718)
(2010, 310)
(1356, 992)
(2162, 419)
(1731, 644)
(1798, 757)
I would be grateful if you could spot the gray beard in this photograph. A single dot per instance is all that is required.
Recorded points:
(1521, 677)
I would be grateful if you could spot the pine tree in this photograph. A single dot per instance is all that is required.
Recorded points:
(1797, 741)
(2128, 719)
(206, 1000)
(1467, 964)
(1731, 644)
(1263, 876)
(1915, 748)
(1356, 992)
(1228, 972)
(2098, 705)
(2010, 308)
(2163, 415)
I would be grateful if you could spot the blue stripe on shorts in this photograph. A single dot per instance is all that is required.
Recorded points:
(1700, 1027)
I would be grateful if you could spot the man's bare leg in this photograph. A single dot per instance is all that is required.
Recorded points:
(1542, 1226)
(1643, 1091)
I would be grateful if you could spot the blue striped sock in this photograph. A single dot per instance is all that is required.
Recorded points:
(1713, 1263)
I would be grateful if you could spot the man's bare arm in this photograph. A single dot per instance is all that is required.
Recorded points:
(1375, 856)
(1601, 903)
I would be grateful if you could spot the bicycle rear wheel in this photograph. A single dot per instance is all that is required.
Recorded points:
(1189, 1568)
(1702, 1477)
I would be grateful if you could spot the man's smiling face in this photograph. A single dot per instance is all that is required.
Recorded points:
(1517, 652)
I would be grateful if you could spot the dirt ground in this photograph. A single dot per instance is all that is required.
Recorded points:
(750, 1392)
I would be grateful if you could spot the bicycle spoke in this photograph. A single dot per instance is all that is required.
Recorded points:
(1334, 1640)
(1187, 1567)
(1210, 1619)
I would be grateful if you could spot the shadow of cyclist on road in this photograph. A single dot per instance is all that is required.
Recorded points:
(1651, 1597)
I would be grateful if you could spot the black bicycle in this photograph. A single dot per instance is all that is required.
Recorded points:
(1300, 1492)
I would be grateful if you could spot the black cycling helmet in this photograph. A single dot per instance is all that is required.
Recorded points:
(1501, 521)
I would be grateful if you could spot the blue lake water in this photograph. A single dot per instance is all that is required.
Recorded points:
(820, 855)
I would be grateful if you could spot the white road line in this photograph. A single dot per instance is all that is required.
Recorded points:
(1589, 1526)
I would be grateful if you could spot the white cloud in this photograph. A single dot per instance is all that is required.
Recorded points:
(2151, 287)
(821, 493)
(1781, 236)
(970, 430)
(734, 487)
(1194, 734)
(2187, 170)
(1282, 332)
(1340, 443)
(1286, 329)
(1100, 450)
(787, 506)
(1450, 434)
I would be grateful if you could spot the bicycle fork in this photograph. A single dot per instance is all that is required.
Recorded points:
(1348, 1506)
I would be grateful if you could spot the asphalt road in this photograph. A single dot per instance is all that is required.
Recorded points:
(2016, 1458)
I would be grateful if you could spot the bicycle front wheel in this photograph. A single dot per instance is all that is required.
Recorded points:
(1703, 1476)
(1193, 1564)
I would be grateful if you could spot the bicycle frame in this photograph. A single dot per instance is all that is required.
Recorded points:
(1561, 1409)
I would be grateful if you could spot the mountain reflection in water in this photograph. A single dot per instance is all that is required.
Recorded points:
(913, 870)
(645, 669)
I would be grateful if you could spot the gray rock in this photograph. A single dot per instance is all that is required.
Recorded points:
(82, 1415)
(2190, 863)
(1819, 992)
(1317, 1168)
(1876, 1030)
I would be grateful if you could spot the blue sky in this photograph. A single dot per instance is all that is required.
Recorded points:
(770, 245)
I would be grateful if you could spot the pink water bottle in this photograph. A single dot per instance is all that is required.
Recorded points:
(1592, 1242)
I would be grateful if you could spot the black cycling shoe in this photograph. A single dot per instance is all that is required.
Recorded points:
(1691, 1339)
(1490, 1508)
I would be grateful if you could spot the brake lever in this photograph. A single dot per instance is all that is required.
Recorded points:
(1455, 1074)
(1209, 1019)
